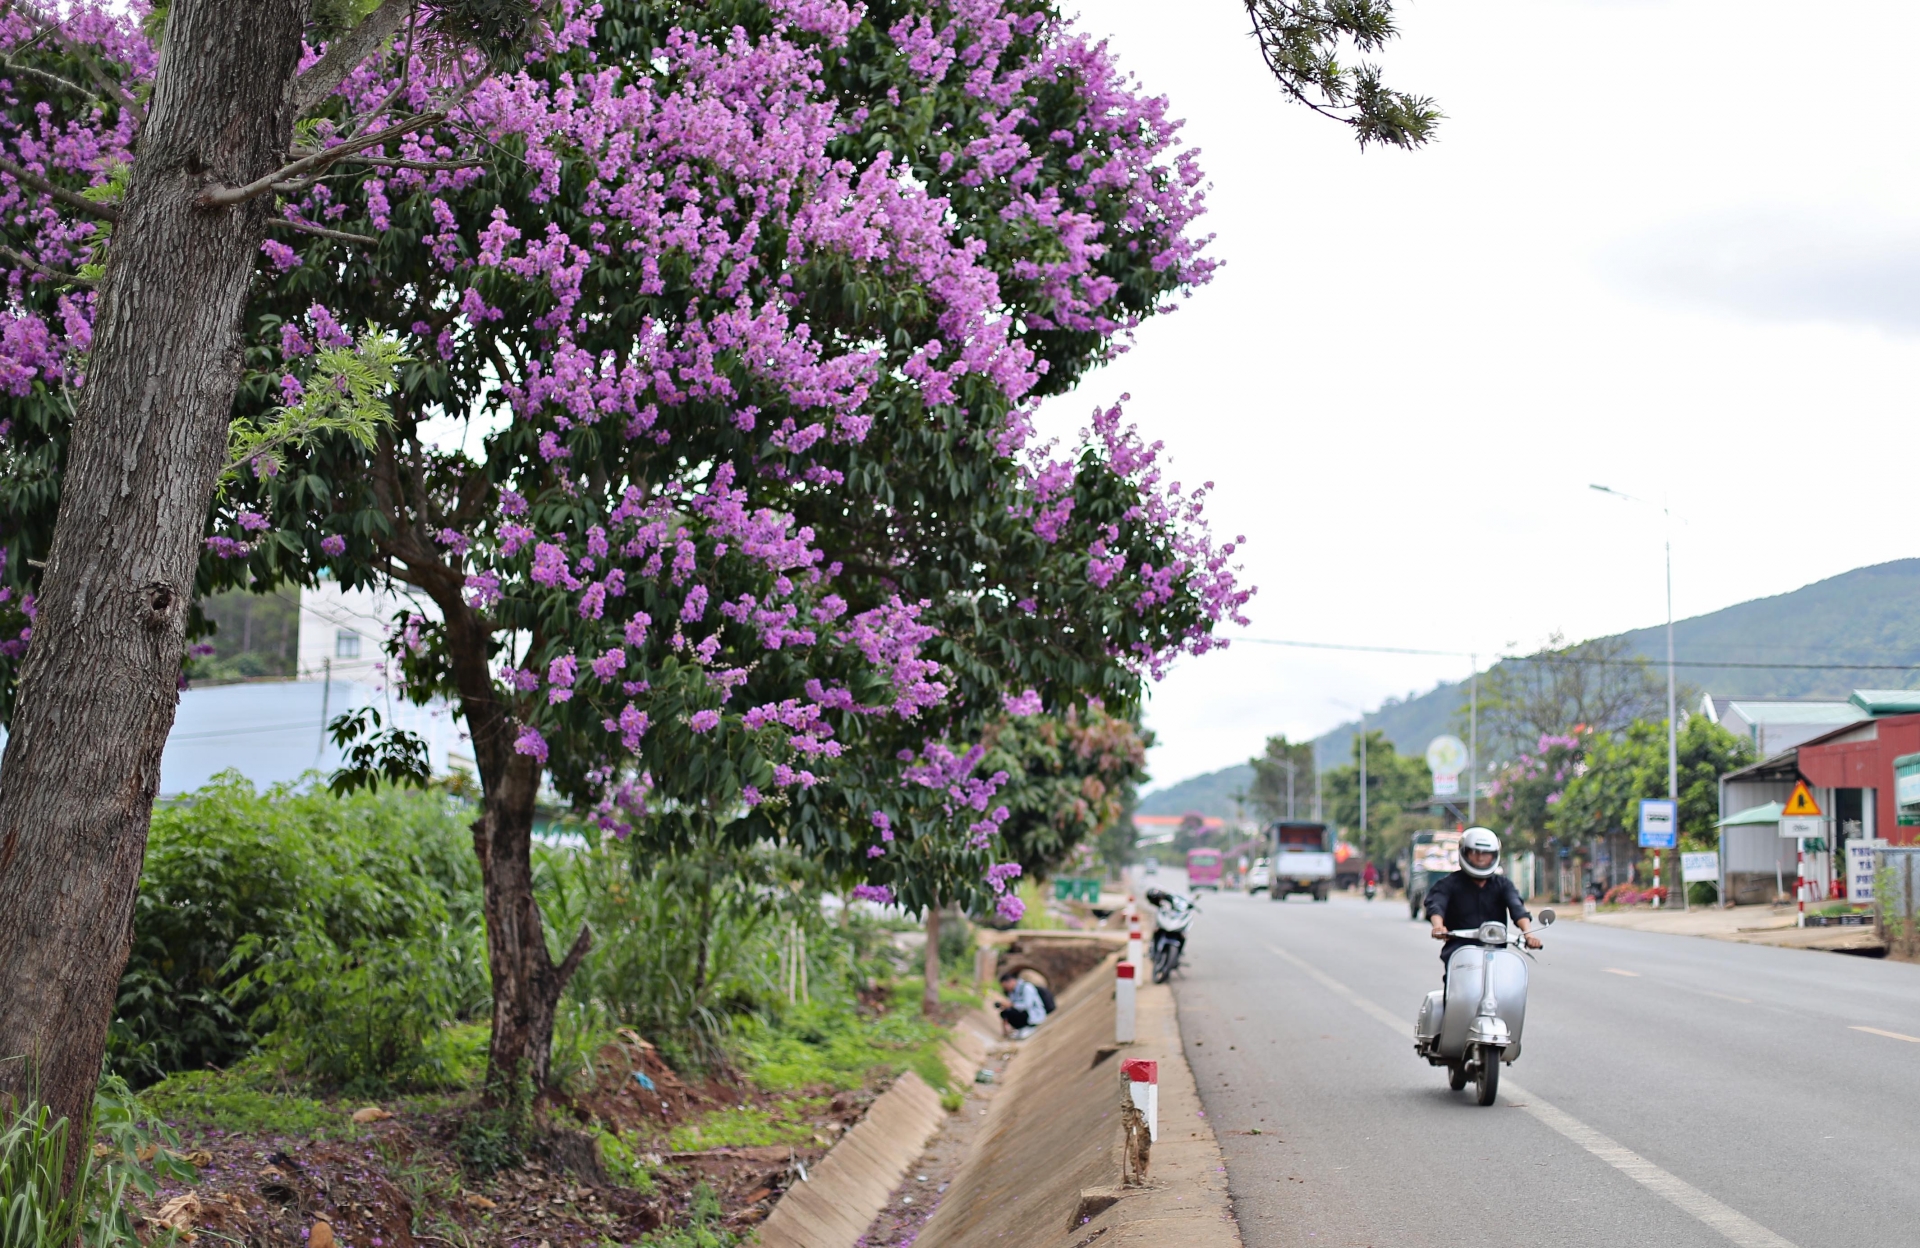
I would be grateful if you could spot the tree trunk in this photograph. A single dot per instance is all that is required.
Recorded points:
(99, 685)
(930, 996)
(526, 982)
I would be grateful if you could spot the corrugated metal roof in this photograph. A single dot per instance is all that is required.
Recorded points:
(1887, 701)
(1771, 712)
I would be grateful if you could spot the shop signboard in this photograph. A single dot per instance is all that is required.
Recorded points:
(1860, 865)
(1659, 819)
(1695, 868)
(1906, 789)
(1446, 759)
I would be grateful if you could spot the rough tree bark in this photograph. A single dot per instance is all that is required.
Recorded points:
(98, 687)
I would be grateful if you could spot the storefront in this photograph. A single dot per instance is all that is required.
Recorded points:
(1864, 779)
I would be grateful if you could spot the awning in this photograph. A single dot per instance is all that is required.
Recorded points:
(1770, 813)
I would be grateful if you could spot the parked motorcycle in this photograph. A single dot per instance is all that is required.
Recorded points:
(1172, 915)
(1473, 1025)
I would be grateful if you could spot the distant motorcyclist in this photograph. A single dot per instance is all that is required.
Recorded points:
(1370, 880)
(1474, 895)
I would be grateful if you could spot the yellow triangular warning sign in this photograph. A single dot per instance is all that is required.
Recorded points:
(1801, 804)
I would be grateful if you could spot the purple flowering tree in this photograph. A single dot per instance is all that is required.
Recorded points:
(743, 534)
(128, 268)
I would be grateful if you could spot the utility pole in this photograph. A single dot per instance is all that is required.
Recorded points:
(1289, 787)
(1319, 807)
(1363, 775)
(1473, 743)
(1673, 721)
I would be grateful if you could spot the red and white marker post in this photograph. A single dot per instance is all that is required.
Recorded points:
(1136, 946)
(1143, 1087)
(1123, 994)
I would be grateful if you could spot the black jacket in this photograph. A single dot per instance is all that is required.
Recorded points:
(1465, 902)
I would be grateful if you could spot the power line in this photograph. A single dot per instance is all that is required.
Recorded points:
(1573, 661)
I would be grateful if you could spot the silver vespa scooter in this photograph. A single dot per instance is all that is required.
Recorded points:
(1476, 1026)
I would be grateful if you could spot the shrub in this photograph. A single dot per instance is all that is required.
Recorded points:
(359, 1016)
(228, 865)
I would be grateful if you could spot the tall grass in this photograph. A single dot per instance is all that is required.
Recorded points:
(40, 1208)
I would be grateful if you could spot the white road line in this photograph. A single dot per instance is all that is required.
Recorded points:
(1735, 1226)
(1891, 1035)
(1614, 970)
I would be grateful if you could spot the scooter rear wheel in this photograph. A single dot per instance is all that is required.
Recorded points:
(1486, 1079)
(1456, 1076)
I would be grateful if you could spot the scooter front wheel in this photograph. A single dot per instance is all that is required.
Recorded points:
(1163, 958)
(1486, 1079)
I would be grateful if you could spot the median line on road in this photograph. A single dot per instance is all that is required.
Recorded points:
(1614, 970)
(1891, 1035)
(1735, 1226)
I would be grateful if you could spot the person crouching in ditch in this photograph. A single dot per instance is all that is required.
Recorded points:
(1024, 1008)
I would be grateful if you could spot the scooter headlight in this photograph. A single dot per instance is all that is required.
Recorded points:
(1493, 933)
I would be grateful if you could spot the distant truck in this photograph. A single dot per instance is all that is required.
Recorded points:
(1301, 860)
(1430, 856)
(1203, 869)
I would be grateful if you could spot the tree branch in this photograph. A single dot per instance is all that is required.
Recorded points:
(321, 231)
(27, 262)
(48, 78)
(571, 963)
(26, 177)
(394, 162)
(227, 196)
(100, 76)
(345, 54)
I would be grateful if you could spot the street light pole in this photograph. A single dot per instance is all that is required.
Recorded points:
(1673, 719)
(1363, 777)
(1473, 744)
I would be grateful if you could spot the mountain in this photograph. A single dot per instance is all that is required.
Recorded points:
(1211, 794)
(1869, 616)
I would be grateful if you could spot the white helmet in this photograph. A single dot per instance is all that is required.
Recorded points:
(1480, 840)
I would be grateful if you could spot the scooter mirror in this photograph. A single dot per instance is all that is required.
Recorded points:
(1546, 918)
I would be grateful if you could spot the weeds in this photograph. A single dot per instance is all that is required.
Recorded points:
(703, 1210)
(38, 1209)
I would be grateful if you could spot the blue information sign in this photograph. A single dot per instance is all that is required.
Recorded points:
(1659, 823)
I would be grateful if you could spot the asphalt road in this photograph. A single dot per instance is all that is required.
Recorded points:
(1673, 1090)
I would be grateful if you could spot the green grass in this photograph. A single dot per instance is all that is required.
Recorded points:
(749, 1126)
(823, 1046)
(249, 1098)
(199, 1097)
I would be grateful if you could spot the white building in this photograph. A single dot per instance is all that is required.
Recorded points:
(274, 731)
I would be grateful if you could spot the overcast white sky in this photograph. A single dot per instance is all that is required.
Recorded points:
(1668, 245)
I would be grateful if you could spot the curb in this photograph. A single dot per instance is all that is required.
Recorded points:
(848, 1188)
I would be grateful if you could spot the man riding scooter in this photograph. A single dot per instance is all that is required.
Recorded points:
(1474, 895)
